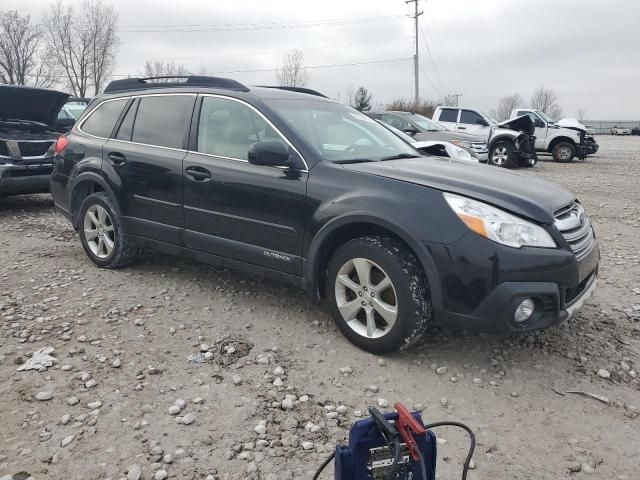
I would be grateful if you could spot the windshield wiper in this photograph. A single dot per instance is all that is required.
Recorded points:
(399, 156)
(354, 160)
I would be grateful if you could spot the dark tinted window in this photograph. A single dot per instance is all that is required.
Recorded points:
(162, 120)
(228, 128)
(448, 115)
(101, 122)
(126, 127)
(471, 118)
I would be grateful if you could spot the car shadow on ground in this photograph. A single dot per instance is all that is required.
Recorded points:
(31, 204)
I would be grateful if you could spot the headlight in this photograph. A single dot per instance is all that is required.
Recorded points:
(462, 143)
(498, 225)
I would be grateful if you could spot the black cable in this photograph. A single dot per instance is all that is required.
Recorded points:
(472, 445)
(396, 459)
(322, 467)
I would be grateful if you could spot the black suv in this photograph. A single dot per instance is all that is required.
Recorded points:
(298, 187)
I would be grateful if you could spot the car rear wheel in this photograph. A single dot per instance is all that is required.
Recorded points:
(378, 294)
(502, 155)
(563, 152)
(101, 233)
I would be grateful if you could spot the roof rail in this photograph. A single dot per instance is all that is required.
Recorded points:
(170, 81)
(308, 91)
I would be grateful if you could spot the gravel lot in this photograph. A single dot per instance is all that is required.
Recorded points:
(172, 368)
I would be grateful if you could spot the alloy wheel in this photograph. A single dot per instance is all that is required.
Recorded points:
(99, 232)
(500, 155)
(564, 153)
(366, 298)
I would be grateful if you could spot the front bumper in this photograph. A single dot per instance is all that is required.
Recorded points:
(483, 284)
(588, 148)
(23, 179)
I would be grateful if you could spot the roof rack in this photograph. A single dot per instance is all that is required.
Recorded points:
(170, 81)
(308, 91)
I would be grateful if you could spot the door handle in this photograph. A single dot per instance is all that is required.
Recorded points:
(462, 128)
(199, 174)
(117, 158)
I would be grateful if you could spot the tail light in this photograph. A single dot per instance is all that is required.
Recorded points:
(61, 144)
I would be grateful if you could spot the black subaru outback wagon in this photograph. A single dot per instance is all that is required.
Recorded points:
(291, 185)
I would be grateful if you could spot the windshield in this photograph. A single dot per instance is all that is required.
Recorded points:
(427, 123)
(546, 117)
(339, 133)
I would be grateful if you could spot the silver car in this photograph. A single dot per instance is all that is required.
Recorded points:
(422, 128)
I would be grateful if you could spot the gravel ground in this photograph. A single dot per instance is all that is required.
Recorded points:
(170, 369)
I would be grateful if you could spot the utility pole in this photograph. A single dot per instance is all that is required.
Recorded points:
(457, 95)
(416, 60)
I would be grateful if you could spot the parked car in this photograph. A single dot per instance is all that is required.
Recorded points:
(423, 128)
(565, 139)
(635, 131)
(433, 147)
(76, 105)
(28, 131)
(510, 143)
(620, 131)
(314, 193)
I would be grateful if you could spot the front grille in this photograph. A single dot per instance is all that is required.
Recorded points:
(479, 146)
(34, 149)
(576, 229)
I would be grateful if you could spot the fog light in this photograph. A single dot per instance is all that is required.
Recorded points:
(524, 310)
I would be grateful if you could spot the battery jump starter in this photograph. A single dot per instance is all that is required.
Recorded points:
(391, 446)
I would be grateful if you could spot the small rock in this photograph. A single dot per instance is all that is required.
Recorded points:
(287, 404)
(94, 405)
(189, 418)
(574, 467)
(602, 373)
(278, 371)
(44, 396)
(116, 363)
(372, 388)
(133, 472)
(587, 468)
(472, 465)
(180, 403)
(441, 370)
(261, 428)
(160, 475)
(90, 384)
(67, 440)
(236, 380)
(383, 403)
(346, 370)
(307, 445)
(72, 401)
(174, 410)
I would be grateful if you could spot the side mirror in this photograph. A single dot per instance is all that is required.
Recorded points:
(270, 153)
(410, 131)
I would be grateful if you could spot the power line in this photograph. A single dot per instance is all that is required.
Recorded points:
(254, 26)
(273, 52)
(334, 65)
(443, 60)
(433, 62)
(429, 80)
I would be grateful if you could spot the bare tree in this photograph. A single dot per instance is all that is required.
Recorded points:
(22, 59)
(83, 43)
(546, 99)
(158, 68)
(293, 72)
(505, 105)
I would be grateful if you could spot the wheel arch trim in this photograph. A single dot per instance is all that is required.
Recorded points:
(312, 267)
(83, 177)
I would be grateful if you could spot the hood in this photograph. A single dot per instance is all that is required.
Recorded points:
(446, 150)
(571, 123)
(526, 196)
(32, 104)
(522, 124)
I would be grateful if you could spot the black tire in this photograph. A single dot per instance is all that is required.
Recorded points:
(502, 154)
(411, 296)
(563, 152)
(123, 252)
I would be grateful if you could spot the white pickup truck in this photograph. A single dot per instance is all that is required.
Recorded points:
(564, 139)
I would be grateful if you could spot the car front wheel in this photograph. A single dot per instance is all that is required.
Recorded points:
(378, 294)
(563, 152)
(502, 155)
(101, 232)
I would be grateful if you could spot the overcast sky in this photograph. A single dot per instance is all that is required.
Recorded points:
(587, 50)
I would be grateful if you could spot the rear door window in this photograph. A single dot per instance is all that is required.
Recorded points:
(448, 115)
(161, 120)
(101, 122)
(471, 118)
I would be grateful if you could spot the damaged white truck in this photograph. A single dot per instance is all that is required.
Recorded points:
(564, 139)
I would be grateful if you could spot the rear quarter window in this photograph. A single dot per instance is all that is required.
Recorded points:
(448, 115)
(162, 120)
(101, 121)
